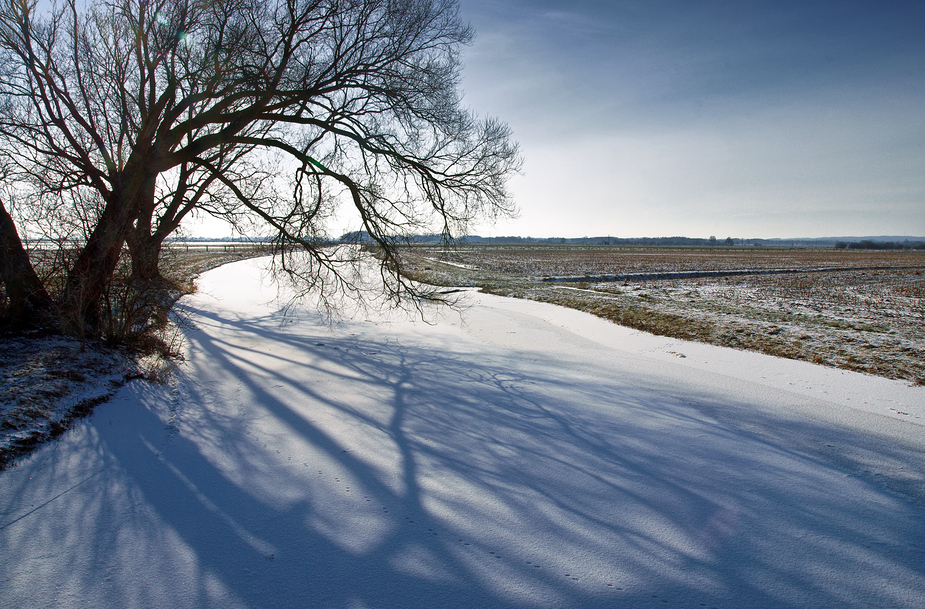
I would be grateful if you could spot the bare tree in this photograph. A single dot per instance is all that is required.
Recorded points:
(274, 110)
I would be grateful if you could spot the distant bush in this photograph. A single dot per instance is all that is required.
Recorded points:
(867, 244)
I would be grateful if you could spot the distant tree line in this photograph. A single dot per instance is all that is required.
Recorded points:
(868, 244)
(362, 236)
(359, 236)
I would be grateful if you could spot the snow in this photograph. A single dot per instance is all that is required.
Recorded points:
(45, 381)
(505, 453)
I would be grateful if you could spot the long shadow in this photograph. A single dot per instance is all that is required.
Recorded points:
(352, 468)
(503, 445)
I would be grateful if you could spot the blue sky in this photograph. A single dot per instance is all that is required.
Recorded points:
(742, 119)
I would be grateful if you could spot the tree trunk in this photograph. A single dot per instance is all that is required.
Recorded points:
(145, 242)
(92, 272)
(146, 254)
(88, 278)
(29, 302)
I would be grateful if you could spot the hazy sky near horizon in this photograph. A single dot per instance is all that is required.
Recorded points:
(697, 118)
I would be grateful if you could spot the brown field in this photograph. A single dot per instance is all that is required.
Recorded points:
(857, 310)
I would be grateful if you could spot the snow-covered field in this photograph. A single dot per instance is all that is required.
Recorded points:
(506, 454)
(854, 310)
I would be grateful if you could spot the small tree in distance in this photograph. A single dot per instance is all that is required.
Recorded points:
(126, 116)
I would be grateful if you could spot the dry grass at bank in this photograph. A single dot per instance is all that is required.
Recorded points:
(855, 310)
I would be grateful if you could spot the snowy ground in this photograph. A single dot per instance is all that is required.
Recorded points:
(516, 455)
(45, 381)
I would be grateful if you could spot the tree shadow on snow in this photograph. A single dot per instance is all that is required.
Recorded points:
(345, 469)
